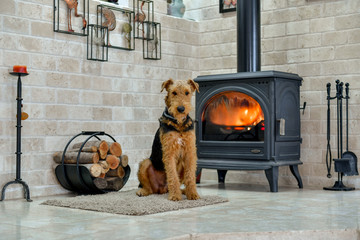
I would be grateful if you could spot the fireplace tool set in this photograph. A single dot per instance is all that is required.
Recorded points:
(346, 162)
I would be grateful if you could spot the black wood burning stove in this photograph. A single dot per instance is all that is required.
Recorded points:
(249, 120)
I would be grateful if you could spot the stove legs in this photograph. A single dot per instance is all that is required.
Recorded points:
(272, 175)
(221, 175)
(295, 171)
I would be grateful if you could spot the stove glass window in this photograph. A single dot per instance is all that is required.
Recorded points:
(232, 116)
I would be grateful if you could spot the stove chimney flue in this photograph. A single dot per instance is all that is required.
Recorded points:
(248, 36)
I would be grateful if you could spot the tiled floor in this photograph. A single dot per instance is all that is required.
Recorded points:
(250, 209)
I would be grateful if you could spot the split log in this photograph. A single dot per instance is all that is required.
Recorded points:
(113, 161)
(109, 183)
(124, 160)
(118, 172)
(87, 144)
(96, 157)
(70, 157)
(100, 183)
(96, 170)
(114, 183)
(105, 166)
(85, 149)
(115, 149)
(103, 149)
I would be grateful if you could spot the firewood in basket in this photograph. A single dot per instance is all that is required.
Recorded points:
(105, 166)
(114, 183)
(103, 149)
(118, 172)
(115, 149)
(96, 157)
(113, 161)
(88, 144)
(124, 159)
(70, 157)
(96, 170)
(100, 183)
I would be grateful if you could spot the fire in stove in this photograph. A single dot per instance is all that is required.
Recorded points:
(233, 116)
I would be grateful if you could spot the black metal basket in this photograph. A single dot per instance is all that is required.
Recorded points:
(77, 178)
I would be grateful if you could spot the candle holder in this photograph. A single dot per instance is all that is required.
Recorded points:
(18, 143)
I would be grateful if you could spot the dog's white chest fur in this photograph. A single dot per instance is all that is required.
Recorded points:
(180, 141)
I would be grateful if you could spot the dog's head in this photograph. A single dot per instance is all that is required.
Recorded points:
(178, 98)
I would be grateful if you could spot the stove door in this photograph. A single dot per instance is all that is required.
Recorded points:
(232, 116)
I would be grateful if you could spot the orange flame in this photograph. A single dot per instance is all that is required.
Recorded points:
(233, 109)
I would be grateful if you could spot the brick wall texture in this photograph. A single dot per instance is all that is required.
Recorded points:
(65, 93)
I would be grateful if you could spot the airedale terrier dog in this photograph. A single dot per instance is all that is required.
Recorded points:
(173, 157)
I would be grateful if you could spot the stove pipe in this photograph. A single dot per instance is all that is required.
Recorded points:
(248, 36)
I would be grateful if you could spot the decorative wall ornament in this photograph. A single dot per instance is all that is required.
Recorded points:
(144, 11)
(71, 16)
(97, 45)
(120, 24)
(152, 41)
(227, 6)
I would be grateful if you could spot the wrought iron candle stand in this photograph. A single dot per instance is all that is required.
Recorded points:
(18, 143)
(152, 41)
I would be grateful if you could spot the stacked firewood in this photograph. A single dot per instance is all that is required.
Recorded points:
(105, 162)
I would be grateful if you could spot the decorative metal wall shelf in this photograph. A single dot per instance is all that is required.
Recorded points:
(152, 41)
(144, 12)
(71, 16)
(120, 26)
(97, 45)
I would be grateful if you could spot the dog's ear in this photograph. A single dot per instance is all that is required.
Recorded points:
(193, 85)
(166, 84)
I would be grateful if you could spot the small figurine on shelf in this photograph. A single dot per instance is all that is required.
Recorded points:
(73, 4)
(110, 20)
(140, 17)
(126, 29)
(99, 40)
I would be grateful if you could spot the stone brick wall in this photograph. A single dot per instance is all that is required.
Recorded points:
(65, 93)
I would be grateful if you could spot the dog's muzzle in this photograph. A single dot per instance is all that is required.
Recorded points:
(181, 109)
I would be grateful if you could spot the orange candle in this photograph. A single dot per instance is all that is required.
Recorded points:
(19, 69)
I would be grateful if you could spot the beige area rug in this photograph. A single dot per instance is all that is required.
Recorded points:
(128, 203)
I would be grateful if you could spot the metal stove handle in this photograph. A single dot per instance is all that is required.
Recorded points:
(281, 126)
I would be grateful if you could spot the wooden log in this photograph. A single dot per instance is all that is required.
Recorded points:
(103, 149)
(118, 172)
(96, 157)
(115, 149)
(105, 166)
(114, 183)
(124, 160)
(85, 149)
(100, 183)
(70, 157)
(113, 161)
(96, 170)
(87, 144)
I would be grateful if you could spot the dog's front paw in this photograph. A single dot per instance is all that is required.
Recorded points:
(142, 193)
(192, 195)
(174, 197)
